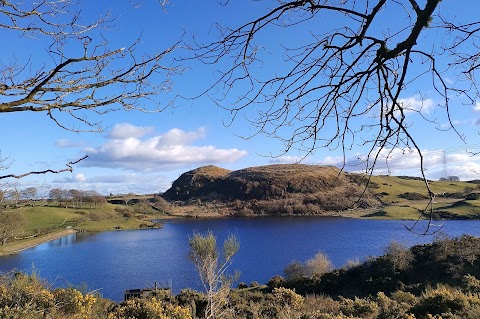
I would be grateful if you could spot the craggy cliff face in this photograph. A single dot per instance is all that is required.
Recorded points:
(284, 187)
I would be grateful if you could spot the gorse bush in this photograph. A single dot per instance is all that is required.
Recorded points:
(148, 309)
(361, 308)
(448, 302)
(368, 291)
(72, 301)
(287, 298)
(28, 292)
(27, 297)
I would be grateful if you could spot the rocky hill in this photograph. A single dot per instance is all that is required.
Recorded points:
(293, 189)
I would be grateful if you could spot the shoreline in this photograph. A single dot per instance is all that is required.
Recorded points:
(15, 248)
(18, 247)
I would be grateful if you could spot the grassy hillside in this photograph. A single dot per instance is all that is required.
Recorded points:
(105, 217)
(393, 186)
(401, 198)
(315, 190)
(268, 190)
(42, 222)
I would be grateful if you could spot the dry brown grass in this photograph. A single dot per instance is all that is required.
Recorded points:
(212, 170)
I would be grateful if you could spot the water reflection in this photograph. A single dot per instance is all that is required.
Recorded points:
(61, 242)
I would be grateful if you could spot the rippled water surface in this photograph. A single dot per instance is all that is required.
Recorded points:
(114, 261)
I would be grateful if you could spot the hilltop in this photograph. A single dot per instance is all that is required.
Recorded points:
(299, 189)
(294, 189)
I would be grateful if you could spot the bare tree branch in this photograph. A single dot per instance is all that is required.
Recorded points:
(68, 169)
(346, 84)
(95, 79)
(79, 74)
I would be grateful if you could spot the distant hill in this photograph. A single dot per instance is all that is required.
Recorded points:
(290, 189)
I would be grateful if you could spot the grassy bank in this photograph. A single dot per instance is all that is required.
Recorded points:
(407, 198)
(48, 222)
(19, 245)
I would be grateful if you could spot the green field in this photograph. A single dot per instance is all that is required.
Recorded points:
(449, 199)
(44, 217)
(107, 217)
(44, 221)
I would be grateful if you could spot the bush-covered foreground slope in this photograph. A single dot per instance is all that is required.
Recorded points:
(438, 280)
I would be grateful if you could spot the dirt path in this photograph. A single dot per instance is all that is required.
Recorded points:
(17, 247)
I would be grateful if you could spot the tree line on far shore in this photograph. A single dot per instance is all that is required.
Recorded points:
(74, 198)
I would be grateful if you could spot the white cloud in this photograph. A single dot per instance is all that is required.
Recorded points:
(331, 160)
(398, 162)
(178, 137)
(64, 143)
(477, 107)
(416, 104)
(77, 178)
(287, 160)
(458, 123)
(116, 184)
(127, 130)
(448, 80)
(410, 105)
(172, 149)
(80, 177)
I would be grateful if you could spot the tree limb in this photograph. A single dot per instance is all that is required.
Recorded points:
(68, 169)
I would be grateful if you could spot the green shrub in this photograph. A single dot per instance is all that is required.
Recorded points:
(352, 263)
(149, 309)
(294, 271)
(242, 285)
(400, 256)
(363, 308)
(275, 282)
(193, 300)
(413, 196)
(472, 196)
(442, 299)
(287, 297)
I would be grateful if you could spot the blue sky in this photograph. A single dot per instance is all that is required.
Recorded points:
(144, 152)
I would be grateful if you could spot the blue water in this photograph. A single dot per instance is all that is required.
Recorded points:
(111, 262)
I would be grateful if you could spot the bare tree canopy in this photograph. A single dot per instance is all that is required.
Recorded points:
(80, 72)
(71, 72)
(344, 79)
